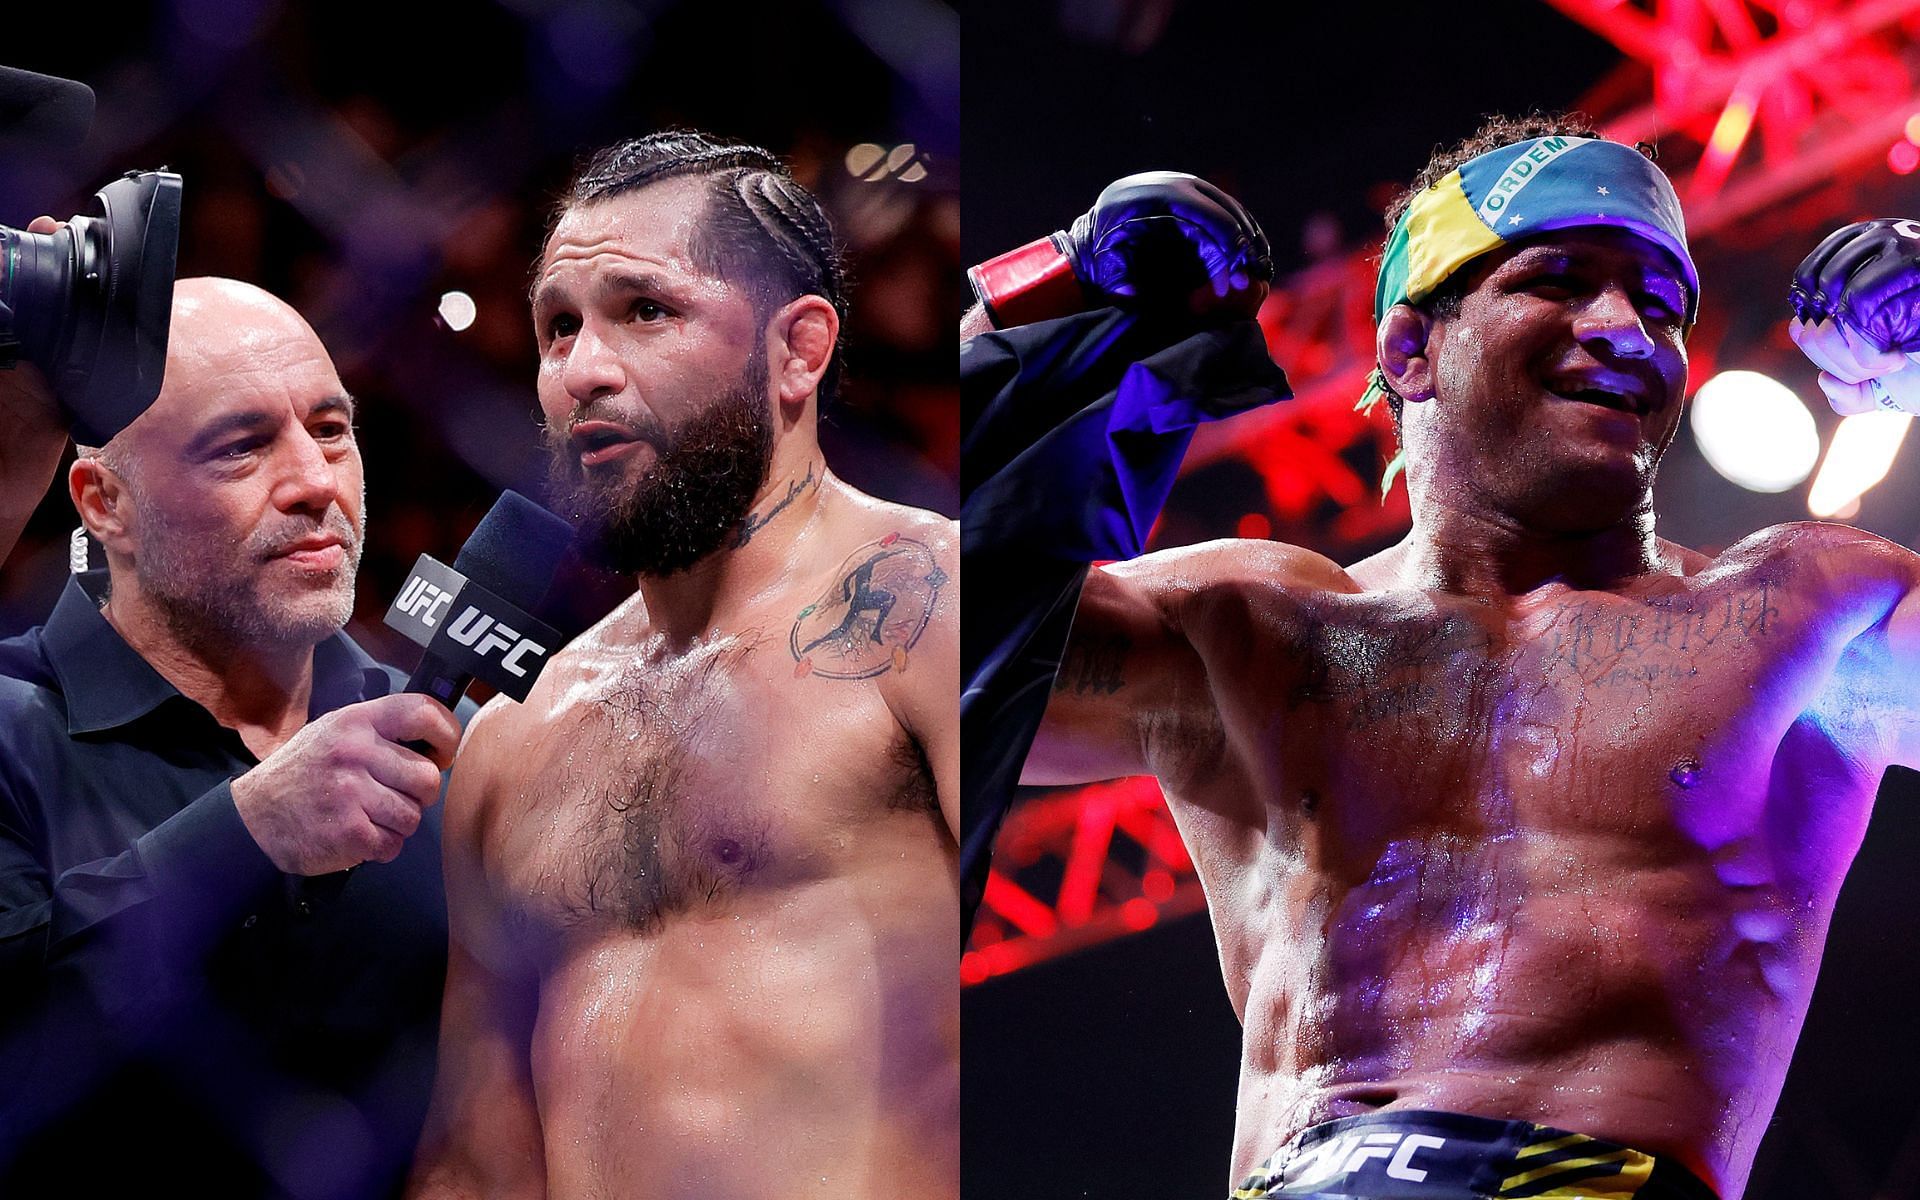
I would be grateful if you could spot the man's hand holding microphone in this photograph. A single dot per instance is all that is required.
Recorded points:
(349, 788)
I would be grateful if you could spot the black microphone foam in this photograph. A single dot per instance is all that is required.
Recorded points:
(515, 550)
(476, 619)
(43, 108)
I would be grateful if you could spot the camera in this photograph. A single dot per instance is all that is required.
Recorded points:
(90, 304)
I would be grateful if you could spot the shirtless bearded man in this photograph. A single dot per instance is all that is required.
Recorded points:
(1526, 831)
(702, 883)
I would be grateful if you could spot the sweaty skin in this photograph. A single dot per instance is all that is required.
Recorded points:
(739, 946)
(703, 883)
(1542, 834)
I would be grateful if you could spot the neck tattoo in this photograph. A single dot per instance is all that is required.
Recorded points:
(755, 522)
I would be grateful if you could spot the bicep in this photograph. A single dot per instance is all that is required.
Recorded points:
(482, 1136)
(1903, 634)
(1868, 589)
(937, 723)
(1124, 659)
(923, 691)
(1903, 648)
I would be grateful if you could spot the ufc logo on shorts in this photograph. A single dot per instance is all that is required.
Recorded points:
(1350, 1152)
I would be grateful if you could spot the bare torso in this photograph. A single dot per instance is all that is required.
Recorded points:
(722, 868)
(1565, 857)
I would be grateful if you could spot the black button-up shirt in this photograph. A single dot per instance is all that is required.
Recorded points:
(173, 1009)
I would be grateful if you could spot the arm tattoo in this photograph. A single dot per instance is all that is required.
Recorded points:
(1093, 666)
(870, 617)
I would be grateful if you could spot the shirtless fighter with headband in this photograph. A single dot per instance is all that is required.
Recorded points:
(1520, 838)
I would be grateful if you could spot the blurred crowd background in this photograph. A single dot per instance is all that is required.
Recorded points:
(387, 168)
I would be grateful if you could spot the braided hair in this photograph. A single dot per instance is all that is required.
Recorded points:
(761, 226)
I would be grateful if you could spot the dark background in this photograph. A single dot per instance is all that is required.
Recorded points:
(359, 159)
(1110, 1072)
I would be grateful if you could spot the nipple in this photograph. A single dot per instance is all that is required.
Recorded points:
(1686, 772)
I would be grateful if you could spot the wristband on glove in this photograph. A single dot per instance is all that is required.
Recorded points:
(1034, 283)
(1897, 392)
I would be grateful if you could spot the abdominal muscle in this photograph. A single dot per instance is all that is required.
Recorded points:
(1568, 861)
(1583, 982)
(797, 1043)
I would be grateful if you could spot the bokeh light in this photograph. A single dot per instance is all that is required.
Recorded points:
(1753, 430)
(457, 310)
(1862, 452)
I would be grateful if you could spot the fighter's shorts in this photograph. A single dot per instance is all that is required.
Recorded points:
(1447, 1156)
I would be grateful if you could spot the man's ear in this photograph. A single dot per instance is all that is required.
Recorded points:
(1402, 346)
(801, 339)
(101, 499)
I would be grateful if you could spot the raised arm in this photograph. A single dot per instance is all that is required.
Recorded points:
(1870, 706)
(1091, 358)
(482, 1137)
(1127, 665)
(1903, 651)
(1856, 306)
(1134, 694)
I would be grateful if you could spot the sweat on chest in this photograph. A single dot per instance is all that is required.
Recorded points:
(1602, 707)
(668, 786)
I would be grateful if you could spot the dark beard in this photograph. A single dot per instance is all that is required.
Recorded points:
(700, 487)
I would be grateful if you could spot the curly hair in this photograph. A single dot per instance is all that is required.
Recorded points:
(1495, 132)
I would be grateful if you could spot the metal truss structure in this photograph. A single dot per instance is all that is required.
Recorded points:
(1765, 112)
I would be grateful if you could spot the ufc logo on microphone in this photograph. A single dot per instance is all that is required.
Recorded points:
(483, 635)
(422, 599)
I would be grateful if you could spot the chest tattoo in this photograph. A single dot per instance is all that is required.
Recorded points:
(870, 616)
(1375, 674)
(1654, 641)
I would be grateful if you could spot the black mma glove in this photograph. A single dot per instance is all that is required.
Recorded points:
(1159, 240)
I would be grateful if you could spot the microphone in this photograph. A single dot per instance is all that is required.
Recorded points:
(45, 110)
(473, 617)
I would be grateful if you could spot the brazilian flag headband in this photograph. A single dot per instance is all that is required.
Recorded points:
(1518, 191)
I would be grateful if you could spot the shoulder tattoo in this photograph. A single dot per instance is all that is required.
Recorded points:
(869, 618)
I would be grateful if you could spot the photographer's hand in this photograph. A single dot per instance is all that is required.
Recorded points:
(33, 435)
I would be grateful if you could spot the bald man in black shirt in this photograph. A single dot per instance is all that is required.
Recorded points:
(193, 992)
